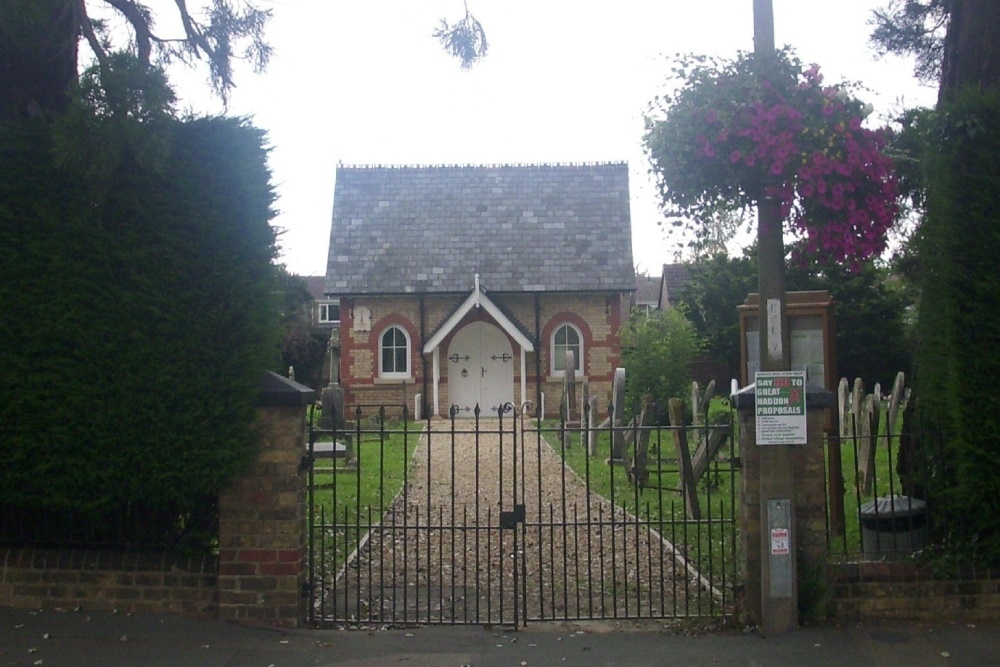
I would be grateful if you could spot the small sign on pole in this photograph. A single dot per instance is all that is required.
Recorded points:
(780, 405)
(779, 542)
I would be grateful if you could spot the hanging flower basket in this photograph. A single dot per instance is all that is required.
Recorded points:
(743, 130)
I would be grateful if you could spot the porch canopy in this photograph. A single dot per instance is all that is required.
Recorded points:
(477, 299)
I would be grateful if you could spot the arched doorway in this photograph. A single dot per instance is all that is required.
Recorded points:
(480, 369)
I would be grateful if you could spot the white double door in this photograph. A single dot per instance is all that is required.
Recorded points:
(480, 369)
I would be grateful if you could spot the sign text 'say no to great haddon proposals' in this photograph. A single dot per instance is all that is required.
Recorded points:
(780, 405)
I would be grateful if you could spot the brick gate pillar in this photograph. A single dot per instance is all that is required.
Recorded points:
(262, 516)
(809, 502)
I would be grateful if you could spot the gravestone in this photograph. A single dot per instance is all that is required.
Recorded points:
(332, 409)
(593, 427)
(689, 489)
(618, 413)
(844, 407)
(700, 401)
(868, 435)
(639, 431)
(569, 386)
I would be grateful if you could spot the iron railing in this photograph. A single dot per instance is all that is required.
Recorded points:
(510, 520)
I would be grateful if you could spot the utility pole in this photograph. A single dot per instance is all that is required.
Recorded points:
(779, 592)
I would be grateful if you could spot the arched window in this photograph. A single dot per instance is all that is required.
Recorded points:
(394, 353)
(566, 338)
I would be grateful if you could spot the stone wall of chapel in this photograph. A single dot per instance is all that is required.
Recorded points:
(597, 315)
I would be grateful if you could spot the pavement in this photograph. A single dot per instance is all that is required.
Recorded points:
(81, 638)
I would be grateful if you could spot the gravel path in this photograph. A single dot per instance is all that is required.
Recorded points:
(439, 555)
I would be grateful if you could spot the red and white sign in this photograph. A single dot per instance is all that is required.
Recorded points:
(779, 542)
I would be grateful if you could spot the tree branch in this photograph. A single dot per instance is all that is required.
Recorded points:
(140, 24)
(95, 44)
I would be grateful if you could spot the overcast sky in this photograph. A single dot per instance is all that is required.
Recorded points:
(364, 82)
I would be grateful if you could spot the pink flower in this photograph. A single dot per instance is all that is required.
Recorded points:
(734, 157)
(711, 116)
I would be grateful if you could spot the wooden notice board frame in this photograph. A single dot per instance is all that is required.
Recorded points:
(804, 310)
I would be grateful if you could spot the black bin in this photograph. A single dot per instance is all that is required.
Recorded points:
(893, 526)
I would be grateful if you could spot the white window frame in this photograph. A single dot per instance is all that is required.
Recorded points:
(394, 375)
(323, 308)
(554, 355)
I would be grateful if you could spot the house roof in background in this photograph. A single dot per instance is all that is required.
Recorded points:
(647, 290)
(673, 280)
(315, 286)
(521, 228)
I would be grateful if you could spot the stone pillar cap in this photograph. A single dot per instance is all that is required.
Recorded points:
(276, 390)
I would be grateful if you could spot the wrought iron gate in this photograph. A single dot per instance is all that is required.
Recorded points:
(507, 520)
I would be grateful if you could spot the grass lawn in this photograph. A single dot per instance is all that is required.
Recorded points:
(347, 501)
(709, 542)
(885, 482)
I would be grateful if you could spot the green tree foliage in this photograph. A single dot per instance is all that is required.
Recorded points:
(872, 315)
(303, 344)
(872, 312)
(956, 249)
(914, 28)
(657, 351)
(716, 285)
(959, 326)
(39, 42)
(136, 320)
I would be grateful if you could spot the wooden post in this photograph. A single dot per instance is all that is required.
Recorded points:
(777, 485)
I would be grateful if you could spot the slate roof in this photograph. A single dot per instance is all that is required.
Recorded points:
(675, 278)
(647, 290)
(525, 228)
(315, 286)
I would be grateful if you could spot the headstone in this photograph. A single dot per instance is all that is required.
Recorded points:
(895, 398)
(708, 448)
(594, 428)
(569, 385)
(334, 348)
(618, 417)
(696, 401)
(638, 471)
(857, 397)
(689, 488)
(332, 409)
(868, 438)
(706, 400)
(844, 407)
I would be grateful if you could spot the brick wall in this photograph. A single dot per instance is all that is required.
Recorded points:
(909, 591)
(100, 580)
(263, 522)
(598, 316)
(259, 574)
